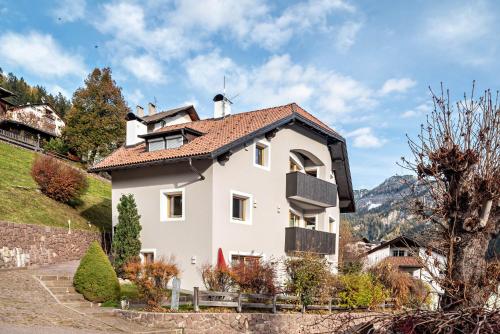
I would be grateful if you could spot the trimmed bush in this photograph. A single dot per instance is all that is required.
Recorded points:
(57, 180)
(361, 290)
(95, 278)
(255, 277)
(217, 279)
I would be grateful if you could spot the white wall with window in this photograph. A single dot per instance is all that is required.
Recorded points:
(262, 154)
(162, 143)
(172, 205)
(241, 207)
(147, 255)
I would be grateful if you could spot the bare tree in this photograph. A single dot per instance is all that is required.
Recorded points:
(457, 157)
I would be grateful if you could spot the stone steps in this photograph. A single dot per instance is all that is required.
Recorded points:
(58, 290)
(70, 297)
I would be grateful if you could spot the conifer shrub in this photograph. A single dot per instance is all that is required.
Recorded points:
(95, 277)
(126, 243)
(57, 180)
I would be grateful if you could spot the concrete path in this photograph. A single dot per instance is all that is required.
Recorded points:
(27, 307)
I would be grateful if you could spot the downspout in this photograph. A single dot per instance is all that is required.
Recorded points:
(193, 168)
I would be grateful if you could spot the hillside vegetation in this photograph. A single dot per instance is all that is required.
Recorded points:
(21, 202)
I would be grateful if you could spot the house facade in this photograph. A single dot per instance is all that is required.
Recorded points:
(408, 255)
(261, 184)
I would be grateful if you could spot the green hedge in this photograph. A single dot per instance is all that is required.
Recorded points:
(95, 278)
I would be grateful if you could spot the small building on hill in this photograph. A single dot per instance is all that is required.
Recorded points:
(32, 122)
(408, 255)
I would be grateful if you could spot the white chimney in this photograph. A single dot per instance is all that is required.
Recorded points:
(139, 111)
(222, 106)
(151, 109)
(134, 130)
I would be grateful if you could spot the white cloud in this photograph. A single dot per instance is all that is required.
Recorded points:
(56, 89)
(365, 138)
(69, 10)
(173, 29)
(397, 85)
(347, 35)
(39, 54)
(136, 97)
(279, 81)
(419, 110)
(145, 68)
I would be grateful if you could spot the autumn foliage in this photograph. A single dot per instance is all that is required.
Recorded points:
(255, 277)
(151, 280)
(57, 180)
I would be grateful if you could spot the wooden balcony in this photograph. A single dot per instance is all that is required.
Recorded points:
(310, 192)
(298, 239)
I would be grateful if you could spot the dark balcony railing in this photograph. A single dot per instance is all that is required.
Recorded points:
(298, 239)
(311, 190)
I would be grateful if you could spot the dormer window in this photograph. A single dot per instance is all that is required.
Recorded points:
(156, 144)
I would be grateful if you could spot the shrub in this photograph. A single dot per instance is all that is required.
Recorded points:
(255, 277)
(407, 290)
(95, 277)
(151, 280)
(126, 245)
(309, 277)
(57, 145)
(360, 290)
(57, 180)
(217, 279)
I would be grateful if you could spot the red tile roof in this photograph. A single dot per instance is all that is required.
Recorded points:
(216, 134)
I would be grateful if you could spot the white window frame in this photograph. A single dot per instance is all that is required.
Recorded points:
(398, 249)
(267, 161)
(163, 204)
(315, 216)
(249, 209)
(295, 212)
(147, 250)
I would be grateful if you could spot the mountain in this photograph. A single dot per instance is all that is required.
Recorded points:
(384, 211)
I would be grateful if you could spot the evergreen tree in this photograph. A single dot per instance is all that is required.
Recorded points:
(95, 125)
(126, 244)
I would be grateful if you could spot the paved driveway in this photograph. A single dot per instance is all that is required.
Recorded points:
(26, 307)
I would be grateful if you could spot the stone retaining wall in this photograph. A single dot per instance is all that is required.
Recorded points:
(208, 323)
(24, 244)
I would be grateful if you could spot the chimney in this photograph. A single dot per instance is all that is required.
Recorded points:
(139, 111)
(151, 109)
(222, 106)
(135, 128)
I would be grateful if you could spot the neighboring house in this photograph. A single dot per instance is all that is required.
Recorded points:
(409, 256)
(259, 184)
(4, 103)
(35, 122)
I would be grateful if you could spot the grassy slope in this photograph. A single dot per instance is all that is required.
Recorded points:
(21, 202)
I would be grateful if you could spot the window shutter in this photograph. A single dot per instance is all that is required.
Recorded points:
(174, 142)
(157, 144)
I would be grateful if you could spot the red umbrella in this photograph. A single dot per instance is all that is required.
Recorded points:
(221, 262)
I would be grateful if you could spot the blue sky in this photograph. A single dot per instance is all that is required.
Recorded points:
(363, 67)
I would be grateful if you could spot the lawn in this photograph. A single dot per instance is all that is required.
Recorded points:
(22, 202)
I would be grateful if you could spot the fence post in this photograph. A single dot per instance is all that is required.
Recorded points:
(238, 309)
(274, 303)
(303, 309)
(330, 305)
(196, 299)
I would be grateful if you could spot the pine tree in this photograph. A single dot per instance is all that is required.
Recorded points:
(126, 244)
(95, 125)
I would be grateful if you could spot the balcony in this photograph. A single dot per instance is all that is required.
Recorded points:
(298, 239)
(309, 192)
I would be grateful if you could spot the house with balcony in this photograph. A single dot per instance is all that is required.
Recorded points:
(264, 184)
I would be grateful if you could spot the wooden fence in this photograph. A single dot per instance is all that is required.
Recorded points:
(240, 301)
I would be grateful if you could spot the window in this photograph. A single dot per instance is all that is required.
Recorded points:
(156, 144)
(310, 222)
(172, 205)
(398, 252)
(147, 255)
(243, 259)
(241, 207)
(262, 156)
(331, 225)
(294, 219)
(174, 142)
